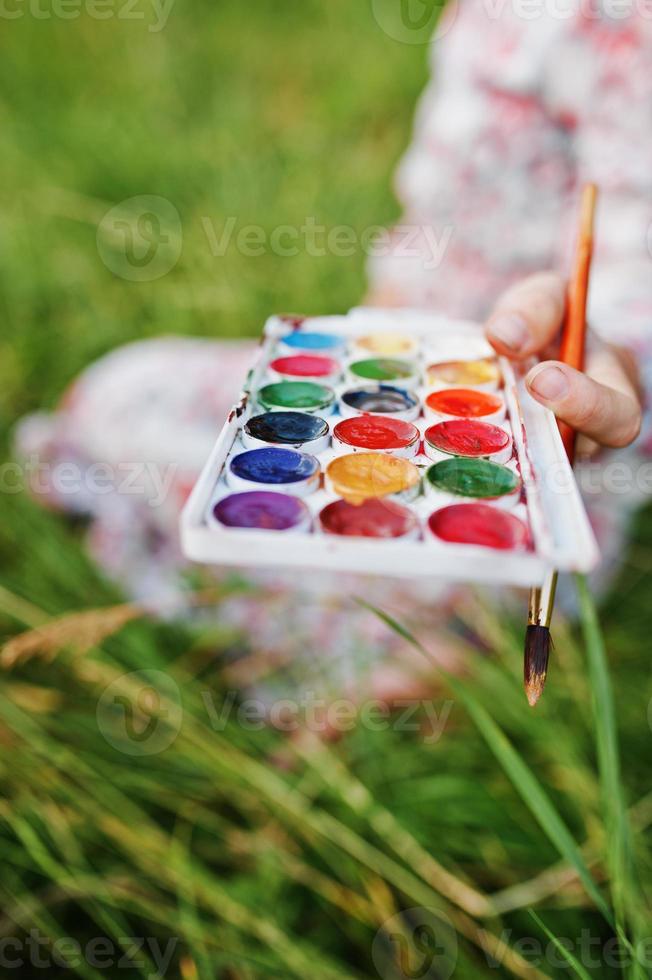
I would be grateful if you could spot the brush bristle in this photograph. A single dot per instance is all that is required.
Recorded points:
(535, 666)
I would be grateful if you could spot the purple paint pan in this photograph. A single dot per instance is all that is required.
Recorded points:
(262, 510)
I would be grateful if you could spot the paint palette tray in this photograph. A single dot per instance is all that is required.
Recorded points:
(388, 442)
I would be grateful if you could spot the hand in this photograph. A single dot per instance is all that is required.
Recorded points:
(604, 404)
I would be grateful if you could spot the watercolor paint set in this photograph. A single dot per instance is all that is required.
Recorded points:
(391, 443)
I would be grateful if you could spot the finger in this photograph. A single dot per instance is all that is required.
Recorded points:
(610, 417)
(586, 448)
(615, 368)
(528, 316)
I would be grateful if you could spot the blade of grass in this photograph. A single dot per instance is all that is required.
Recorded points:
(572, 961)
(355, 794)
(44, 860)
(305, 818)
(521, 776)
(618, 850)
(26, 917)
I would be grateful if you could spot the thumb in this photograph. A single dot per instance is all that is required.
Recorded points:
(611, 417)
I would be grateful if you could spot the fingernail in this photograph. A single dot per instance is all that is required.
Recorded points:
(511, 330)
(550, 383)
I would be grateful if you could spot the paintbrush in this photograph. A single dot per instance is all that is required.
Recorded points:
(573, 340)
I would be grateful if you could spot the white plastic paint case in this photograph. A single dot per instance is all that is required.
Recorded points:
(559, 527)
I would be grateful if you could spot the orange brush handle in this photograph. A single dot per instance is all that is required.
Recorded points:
(573, 340)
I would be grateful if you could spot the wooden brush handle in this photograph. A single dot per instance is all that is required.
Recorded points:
(573, 339)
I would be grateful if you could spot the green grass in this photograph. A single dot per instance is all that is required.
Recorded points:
(260, 856)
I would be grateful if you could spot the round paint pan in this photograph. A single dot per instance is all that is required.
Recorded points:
(479, 525)
(362, 476)
(262, 510)
(284, 470)
(305, 367)
(457, 479)
(483, 374)
(377, 434)
(384, 370)
(380, 519)
(312, 342)
(292, 430)
(468, 438)
(464, 403)
(296, 396)
(380, 400)
(387, 345)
